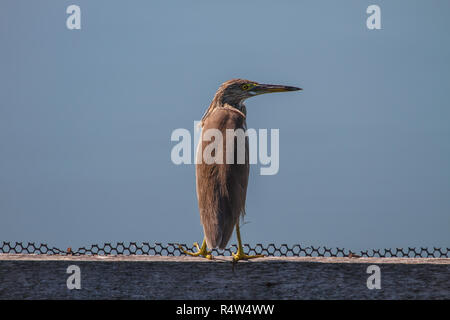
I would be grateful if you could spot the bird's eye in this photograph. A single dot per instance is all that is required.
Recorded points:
(245, 86)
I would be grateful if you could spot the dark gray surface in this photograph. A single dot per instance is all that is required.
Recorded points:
(199, 280)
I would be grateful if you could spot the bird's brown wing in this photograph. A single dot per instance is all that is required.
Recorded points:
(221, 188)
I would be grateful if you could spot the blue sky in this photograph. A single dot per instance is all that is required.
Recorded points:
(86, 118)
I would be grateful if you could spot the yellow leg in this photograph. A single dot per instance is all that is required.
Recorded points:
(203, 252)
(240, 255)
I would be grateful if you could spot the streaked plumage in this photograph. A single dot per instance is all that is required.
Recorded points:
(221, 186)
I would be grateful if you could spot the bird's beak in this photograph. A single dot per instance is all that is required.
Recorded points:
(269, 88)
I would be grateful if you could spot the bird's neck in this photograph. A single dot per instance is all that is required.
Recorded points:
(238, 106)
(220, 102)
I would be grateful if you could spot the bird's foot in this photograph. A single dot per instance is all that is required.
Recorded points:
(201, 252)
(240, 255)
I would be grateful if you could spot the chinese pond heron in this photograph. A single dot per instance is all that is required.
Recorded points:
(221, 185)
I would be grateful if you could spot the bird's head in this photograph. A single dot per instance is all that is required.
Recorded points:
(235, 91)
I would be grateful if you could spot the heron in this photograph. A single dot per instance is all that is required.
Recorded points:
(221, 185)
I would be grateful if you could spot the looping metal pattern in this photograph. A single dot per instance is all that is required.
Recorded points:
(172, 249)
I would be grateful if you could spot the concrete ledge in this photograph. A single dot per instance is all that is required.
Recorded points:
(219, 259)
(29, 276)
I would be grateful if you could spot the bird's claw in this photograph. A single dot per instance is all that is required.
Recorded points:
(203, 252)
(242, 256)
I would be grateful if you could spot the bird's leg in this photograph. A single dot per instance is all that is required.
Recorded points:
(203, 251)
(240, 255)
